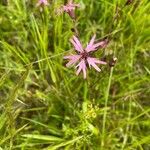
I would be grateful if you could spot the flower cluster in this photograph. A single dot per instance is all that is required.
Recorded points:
(68, 8)
(83, 56)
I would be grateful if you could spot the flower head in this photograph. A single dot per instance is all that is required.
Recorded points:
(68, 8)
(83, 55)
(42, 2)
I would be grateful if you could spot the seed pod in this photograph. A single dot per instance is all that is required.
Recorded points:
(113, 62)
(75, 31)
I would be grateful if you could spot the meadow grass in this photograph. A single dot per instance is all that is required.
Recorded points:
(45, 106)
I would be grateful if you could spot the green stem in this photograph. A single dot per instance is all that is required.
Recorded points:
(105, 110)
(125, 138)
(85, 102)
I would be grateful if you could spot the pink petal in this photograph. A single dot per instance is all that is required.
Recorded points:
(76, 43)
(40, 2)
(100, 44)
(99, 61)
(92, 47)
(92, 62)
(82, 66)
(67, 8)
(90, 43)
(70, 6)
(72, 59)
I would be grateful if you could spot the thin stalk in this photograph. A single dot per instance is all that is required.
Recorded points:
(105, 109)
(85, 102)
(128, 126)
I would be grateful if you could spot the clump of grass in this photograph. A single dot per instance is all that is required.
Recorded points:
(44, 105)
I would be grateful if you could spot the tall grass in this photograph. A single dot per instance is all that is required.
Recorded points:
(44, 105)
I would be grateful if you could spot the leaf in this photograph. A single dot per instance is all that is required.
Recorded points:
(43, 137)
(63, 144)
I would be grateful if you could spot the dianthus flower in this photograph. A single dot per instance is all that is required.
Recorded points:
(83, 55)
(68, 8)
(42, 2)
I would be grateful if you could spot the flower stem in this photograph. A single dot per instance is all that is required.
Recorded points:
(105, 110)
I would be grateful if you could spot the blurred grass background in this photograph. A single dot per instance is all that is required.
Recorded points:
(44, 105)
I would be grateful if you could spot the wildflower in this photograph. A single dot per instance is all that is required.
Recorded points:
(68, 8)
(42, 2)
(83, 55)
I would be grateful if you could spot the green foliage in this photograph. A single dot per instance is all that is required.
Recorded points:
(44, 105)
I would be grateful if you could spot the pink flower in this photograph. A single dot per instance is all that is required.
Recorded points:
(68, 8)
(83, 55)
(42, 2)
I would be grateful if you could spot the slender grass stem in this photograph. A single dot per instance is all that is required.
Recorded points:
(105, 110)
(128, 126)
